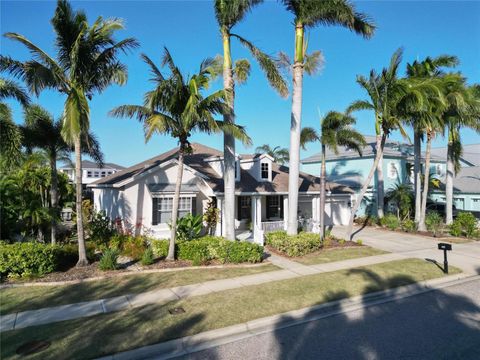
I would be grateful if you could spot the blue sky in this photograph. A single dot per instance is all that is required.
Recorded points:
(189, 30)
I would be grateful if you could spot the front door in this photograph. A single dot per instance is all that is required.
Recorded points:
(244, 210)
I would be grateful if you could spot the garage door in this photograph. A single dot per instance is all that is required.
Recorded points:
(337, 212)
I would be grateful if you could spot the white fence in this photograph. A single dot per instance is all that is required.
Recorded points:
(269, 226)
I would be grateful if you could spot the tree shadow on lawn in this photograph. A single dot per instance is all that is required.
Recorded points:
(436, 325)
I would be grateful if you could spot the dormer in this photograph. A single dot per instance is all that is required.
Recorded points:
(217, 164)
(265, 168)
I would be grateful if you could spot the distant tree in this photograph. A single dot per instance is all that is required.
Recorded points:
(279, 154)
(336, 130)
(178, 107)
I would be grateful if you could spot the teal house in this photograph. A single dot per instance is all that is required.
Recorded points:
(348, 168)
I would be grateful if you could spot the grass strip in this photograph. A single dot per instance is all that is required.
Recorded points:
(115, 332)
(339, 254)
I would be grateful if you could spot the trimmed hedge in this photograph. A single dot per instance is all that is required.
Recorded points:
(28, 259)
(297, 245)
(208, 248)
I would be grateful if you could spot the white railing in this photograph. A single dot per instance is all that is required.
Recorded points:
(268, 226)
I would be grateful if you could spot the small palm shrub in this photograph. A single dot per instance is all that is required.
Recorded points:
(408, 225)
(147, 257)
(189, 227)
(390, 221)
(433, 221)
(108, 261)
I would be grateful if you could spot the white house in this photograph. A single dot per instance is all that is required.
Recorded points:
(143, 194)
(91, 171)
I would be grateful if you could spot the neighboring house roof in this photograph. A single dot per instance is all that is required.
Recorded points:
(392, 149)
(466, 181)
(86, 164)
(247, 183)
(470, 155)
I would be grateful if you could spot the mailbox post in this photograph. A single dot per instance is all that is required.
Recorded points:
(445, 247)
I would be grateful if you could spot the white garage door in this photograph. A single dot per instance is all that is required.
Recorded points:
(337, 211)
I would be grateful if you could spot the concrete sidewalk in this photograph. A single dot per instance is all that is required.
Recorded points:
(464, 256)
(290, 270)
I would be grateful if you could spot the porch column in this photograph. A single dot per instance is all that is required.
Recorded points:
(219, 228)
(285, 212)
(316, 214)
(257, 219)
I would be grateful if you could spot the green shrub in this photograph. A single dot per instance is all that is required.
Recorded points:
(159, 247)
(189, 227)
(342, 241)
(196, 251)
(147, 257)
(108, 261)
(101, 229)
(297, 245)
(455, 228)
(467, 222)
(409, 225)
(128, 245)
(390, 221)
(360, 242)
(28, 259)
(235, 252)
(433, 221)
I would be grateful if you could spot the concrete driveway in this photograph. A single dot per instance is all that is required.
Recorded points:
(464, 256)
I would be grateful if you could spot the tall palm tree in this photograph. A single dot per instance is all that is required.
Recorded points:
(426, 69)
(86, 64)
(462, 110)
(279, 154)
(41, 131)
(228, 14)
(177, 107)
(10, 134)
(336, 130)
(309, 14)
(386, 92)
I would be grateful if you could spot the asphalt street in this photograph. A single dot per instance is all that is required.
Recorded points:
(442, 324)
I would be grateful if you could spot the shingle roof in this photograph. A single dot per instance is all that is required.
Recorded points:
(466, 181)
(471, 153)
(392, 149)
(248, 183)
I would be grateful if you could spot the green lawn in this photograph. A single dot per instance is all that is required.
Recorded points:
(36, 297)
(115, 332)
(338, 254)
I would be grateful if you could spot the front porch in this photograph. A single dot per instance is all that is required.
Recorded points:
(256, 215)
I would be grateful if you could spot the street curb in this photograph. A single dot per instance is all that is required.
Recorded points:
(213, 338)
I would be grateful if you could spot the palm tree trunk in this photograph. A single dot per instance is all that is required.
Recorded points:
(423, 210)
(449, 179)
(228, 141)
(417, 173)
(295, 129)
(380, 183)
(82, 253)
(54, 196)
(176, 198)
(380, 145)
(322, 196)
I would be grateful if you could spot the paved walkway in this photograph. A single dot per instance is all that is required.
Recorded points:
(401, 246)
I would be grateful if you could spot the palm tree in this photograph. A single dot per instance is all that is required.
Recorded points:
(279, 154)
(462, 110)
(336, 130)
(177, 107)
(42, 132)
(386, 92)
(426, 69)
(401, 194)
(228, 14)
(10, 134)
(309, 14)
(86, 64)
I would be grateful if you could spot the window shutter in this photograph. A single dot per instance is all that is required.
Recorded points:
(280, 199)
(154, 211)
(239, 207)
(194, 206)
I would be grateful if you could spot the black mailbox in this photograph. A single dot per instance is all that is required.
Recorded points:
(444, 246)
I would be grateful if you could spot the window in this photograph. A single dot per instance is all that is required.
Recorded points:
(439, 169)
(104, 173)
(274, 207)
(96, 174)
(164, 207)
(89, 174)
(244, 207)
(264, 170)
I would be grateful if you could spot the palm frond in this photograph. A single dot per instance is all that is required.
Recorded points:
(308, 135)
